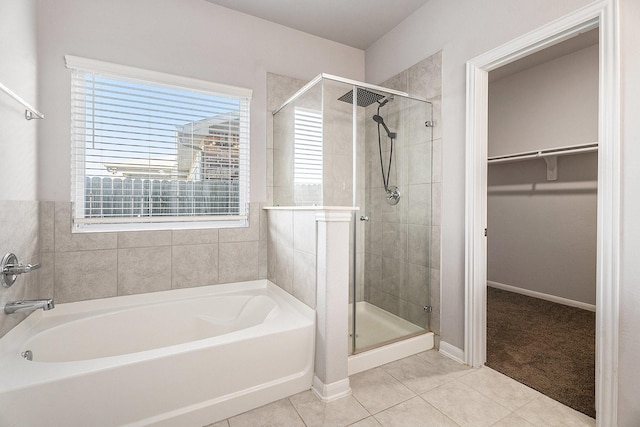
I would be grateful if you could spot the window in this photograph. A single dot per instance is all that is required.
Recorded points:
(307, 156)
(156, 151)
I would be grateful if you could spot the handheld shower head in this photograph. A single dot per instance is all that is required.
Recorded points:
(380, 121)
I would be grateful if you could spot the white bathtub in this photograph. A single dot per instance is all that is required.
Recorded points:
(185, 357)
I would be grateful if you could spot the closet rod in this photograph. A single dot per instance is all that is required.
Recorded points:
(30, 112)
(575, 149)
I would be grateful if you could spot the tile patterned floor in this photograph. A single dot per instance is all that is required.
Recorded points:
(427, 389)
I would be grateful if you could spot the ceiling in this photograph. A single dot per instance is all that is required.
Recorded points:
(574, 44)
(356, 23)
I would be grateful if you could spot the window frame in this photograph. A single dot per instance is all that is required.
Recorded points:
(82, 224)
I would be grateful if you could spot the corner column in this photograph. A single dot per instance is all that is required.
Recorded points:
(331, 379)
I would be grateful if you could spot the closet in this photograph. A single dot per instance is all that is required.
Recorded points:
(541, 206)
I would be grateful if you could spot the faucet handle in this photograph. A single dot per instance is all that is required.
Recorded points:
(10, 268)
(19, 268)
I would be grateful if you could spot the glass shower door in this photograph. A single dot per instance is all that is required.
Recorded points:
(393, 227)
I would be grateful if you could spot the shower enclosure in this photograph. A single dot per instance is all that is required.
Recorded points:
(339, 142)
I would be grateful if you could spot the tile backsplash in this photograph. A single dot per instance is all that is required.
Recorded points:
(84, 266)
(19, 235)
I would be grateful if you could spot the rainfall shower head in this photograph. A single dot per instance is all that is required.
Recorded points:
(365, 97)
(379, 120)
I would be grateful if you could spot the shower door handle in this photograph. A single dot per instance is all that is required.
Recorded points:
(364, 218)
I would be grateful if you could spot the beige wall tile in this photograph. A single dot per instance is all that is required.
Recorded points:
(65, 241)
(419, 163)
(19, 235)
(419, 201)
(143, 270)
(239, 261)
(142, 239)
(435, 248)
(425, 77)
(194, 265)
(85, 275)
(244, 234)
(46, 274)
(194, 237)
(304, 277)
(304, 231)
(284, 267)
(418, 244)
(47, 218)
(263, 268)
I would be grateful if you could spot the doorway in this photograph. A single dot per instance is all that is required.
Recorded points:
(597, 15)
(541, 220)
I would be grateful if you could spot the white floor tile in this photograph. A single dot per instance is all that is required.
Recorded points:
(415, 413)
(367, 422)
(500, 388)
(376, 390)
(512, 420)
(465, 405)
(314, 412)
(277, 414)
(418, 374)
(546, 412)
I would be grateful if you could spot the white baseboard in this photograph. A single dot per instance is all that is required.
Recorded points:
(330, 392)
(452, 352)
(540, 295)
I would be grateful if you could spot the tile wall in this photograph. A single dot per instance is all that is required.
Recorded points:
(19, 235)
(397, 235)
(99, 265)
(292, 252)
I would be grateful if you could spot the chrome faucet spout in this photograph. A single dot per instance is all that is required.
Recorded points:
(28, 305)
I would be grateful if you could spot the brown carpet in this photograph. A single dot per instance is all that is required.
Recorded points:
(547, 346)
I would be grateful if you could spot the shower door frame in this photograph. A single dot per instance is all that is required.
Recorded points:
(601, 14)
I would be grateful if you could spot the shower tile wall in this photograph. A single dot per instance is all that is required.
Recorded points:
(98, 265)
(397, 236)
(19, 235)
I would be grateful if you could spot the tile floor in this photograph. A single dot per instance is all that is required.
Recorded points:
(427, 389)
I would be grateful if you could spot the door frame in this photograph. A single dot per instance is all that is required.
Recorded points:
(600, 14)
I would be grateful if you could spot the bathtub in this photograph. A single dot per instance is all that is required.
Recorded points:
(185, 357)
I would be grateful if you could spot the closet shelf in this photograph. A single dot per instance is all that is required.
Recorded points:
(550, 156)
(549, 152)
(30, 112)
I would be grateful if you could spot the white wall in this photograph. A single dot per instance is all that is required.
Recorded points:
(193, 38)
(551, 105)
(542, 234)
(465, 29)
(629, 378)
(18, 54)
(18, 150)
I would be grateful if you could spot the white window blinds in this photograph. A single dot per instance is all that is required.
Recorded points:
(156, 151)
(307, 156)
(307, 146)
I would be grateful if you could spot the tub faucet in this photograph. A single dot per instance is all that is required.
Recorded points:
(27, 305)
